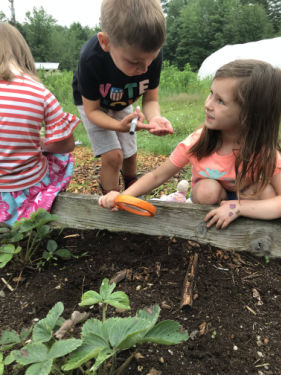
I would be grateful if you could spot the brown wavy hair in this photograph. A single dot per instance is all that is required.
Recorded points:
(14, 50)
(258, 93)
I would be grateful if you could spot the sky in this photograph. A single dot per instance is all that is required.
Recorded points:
(86, 12)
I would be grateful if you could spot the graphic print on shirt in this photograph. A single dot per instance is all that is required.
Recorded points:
(116, 94)
(118, 97)
(214, 174)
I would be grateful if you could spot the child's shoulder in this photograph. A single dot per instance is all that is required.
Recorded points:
(192, 138)
(31, 83)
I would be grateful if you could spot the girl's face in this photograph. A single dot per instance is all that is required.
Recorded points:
(222, 112)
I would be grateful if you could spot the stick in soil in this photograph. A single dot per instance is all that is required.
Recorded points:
(119, 276)
(187, 293)
(7, 284)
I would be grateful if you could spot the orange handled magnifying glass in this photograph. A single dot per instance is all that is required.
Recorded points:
(135, 205)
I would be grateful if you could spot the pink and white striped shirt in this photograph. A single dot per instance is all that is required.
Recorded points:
(25, 106)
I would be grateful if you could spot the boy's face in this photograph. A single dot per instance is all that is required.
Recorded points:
(132, 61)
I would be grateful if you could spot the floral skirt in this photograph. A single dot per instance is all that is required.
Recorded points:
(18, 204)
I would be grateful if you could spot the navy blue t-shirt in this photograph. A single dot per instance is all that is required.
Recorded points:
(97, 77)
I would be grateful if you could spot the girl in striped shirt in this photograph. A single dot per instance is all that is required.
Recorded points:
(33, 170)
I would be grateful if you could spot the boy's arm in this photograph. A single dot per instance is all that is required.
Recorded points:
(101, 119)
(151, 109)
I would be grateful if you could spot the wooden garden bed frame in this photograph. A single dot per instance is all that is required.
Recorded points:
(81, 211)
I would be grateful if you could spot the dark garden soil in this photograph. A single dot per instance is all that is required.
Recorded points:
(234, 323)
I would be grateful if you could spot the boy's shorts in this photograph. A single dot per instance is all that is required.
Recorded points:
(103, 140)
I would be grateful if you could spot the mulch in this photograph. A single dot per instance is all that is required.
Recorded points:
(86, 172)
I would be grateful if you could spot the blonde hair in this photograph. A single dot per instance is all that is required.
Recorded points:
(14, 51)
(139, 23)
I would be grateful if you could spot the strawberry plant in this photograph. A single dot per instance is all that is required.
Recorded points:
(103, 340)
(42, 349)
(22, 240)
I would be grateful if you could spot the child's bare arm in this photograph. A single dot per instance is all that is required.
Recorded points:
(145, 184)
(98, 117)
(61, 147)
(266, 209)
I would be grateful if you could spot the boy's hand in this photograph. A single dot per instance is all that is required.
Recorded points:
(126, 122)
(223, 215)
(107, 201)
(160, 126)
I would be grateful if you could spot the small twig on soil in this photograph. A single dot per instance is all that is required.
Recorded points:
(76, 317)
(119, 276)
(251, 310)
(187, 293)
(7, 284)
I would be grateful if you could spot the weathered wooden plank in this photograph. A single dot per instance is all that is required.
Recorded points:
(81, 211)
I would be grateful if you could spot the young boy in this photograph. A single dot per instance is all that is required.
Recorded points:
(116, 67)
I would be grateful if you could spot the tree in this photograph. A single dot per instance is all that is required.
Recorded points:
(72, 39)
(173, 9)
(3, 17)
(274, 13)
(38, 33)
(196, 28)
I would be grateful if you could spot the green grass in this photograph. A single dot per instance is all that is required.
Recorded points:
(185, 112)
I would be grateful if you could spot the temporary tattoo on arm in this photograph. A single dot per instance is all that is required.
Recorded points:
(232, 207)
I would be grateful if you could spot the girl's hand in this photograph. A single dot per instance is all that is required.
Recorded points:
(223, 215)
(107, 201)
(160, 126)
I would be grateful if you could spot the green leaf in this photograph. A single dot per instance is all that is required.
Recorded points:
(1, 364)
(52, 246)
(167, 332)
(150, 313)
(101, 358)
(9, 359)
(4, 259)
(46, 255)
(64, 253)
(16, 237)
(63, 347)
(123, 333)
(106, 289)
(42, 368)
(94, 341)
(31, 353)
(25, 332)
(119, 300)
(9, 339)
(4, 230)
(90, 298)
(42, 331)
(9, 249)
(25, 225)
(44, 231)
